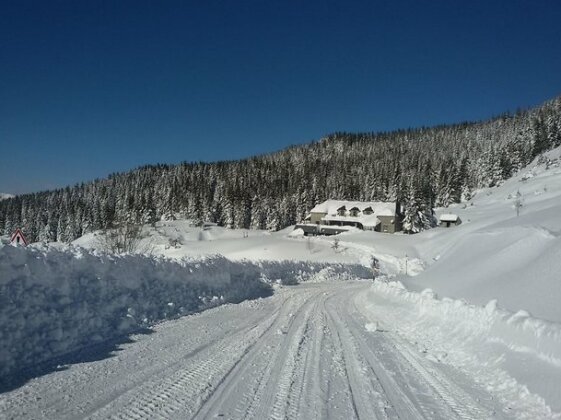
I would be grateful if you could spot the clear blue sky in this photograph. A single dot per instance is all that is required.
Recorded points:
(93, 87)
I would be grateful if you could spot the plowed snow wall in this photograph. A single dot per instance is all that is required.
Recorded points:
(293, 272)
(55, 302)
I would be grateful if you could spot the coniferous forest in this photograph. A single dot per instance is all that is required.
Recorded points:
(422, 167)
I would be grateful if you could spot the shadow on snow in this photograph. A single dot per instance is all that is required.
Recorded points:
(92, 353)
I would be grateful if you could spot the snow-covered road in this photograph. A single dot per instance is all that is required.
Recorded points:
(306, 352)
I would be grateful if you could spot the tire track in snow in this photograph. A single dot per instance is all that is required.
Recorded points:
(307, 400)
(293, 381)
(83, 389)
(291, 370)
(400, 403)
(301, 354)
(440, 397)
(258, 376)
(181, 390)
(459, 402)
(369, 401)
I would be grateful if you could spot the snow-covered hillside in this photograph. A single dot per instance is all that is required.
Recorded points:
(493, 254)
(470, 319)
(496, 254)
(4, 196)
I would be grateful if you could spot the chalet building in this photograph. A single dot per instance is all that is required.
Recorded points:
(448, 220)
(335, 216)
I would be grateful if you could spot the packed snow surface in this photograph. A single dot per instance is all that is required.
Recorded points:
(304, 353)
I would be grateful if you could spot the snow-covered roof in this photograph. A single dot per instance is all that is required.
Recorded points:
(331, 206)
(379, 208)
(386, 212)
(449, 217)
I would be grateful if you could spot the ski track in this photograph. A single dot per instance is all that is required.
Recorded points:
(301, 354)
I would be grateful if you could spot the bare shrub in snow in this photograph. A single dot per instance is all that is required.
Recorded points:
(126, 238)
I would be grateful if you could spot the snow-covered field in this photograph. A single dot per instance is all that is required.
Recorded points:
(469, 325)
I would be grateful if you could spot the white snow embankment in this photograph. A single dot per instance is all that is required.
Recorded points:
(55, 302)
(294, 272)
(516, 356)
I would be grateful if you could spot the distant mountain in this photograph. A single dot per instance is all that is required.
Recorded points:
(4, 196)
(423, 168)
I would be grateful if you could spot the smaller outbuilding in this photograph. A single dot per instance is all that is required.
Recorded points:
(18, 239)
(449, 220)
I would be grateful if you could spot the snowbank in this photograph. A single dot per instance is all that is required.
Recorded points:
(54, 302)
(294, 272)
(57, 300)
(514, 354)
(516, 264)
